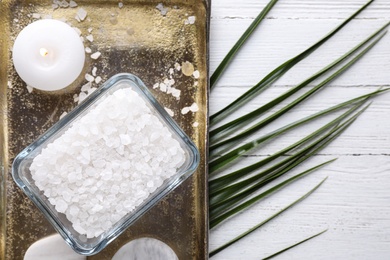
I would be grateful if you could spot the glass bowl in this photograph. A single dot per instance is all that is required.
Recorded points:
(80, 242)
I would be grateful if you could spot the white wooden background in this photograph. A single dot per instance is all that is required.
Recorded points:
(354, 203)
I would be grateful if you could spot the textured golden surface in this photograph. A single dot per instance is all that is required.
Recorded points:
(137, 39)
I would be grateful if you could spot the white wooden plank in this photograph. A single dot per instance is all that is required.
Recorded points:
(278, 40)
(300, 9)
(352, 204)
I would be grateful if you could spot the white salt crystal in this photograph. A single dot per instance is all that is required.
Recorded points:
(163, 87)
(196, 74)
(90, 91)
(77, 18)
(162, 9)
(171, 71)
(89, 77)
(88, 50)
(47, 16)
(36, 16)
(90, 29)
(156, 86)
(98, 79)
(87, 86)
(9, 84)
(177, 66)
(102, 174)
(169, 111)
(95, 55)
(64, 4)
(185, 110)
(191, 19)
(194, 107)
(72, 4)
(120, 5)
(63, 114)
(89, 38)
(29, 89)
(94, 71)
(81, 14)
(195, 124)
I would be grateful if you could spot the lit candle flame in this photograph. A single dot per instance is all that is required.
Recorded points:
(43, 52)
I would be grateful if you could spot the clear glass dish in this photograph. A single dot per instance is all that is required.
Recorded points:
(22, 175)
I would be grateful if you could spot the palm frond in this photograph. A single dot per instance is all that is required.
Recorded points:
(235, 139)
(226, 129)
(278, 72)
(294, 245)
(229, 157)
(222, 66)
(219, 249)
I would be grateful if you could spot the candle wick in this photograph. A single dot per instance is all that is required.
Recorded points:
(43, 52)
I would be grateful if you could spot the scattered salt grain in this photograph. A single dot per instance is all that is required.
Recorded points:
(169, 111)
(36, 16)
(81, 14)
(63, 114)
(89, 77)
(162, 9)
(163, 87)
(187, 68)
(30, 89)
(185, 110)
(195, 124)
(177, 66)
(94, 71)
(156, 85)
(190, 20)
(90, 29)
(196, 74)
(98, 79)
(9, 84)
(89, 38)
(92, 195)
(72, 4)
(120, 5)
(95, 55)
(47, 16)
(86, 87)
(194, 107)
(88, 50)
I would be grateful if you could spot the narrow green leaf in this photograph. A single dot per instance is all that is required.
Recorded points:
(231, 177)
(278, 72)
(228, 128)
(216, 220)
(276, 115)
(292, 246)
(219, 249)
(221, 206)
(222, 66)
(229, 157)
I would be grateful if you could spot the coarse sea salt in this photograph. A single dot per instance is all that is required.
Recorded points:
(107, 162)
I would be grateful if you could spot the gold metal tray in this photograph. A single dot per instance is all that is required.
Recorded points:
(136, 38)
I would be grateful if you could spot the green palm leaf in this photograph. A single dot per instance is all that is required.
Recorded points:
(292, 246)
(227, 158)
(278, 72)
(226, 129)
(220, 69)
(219, 249)
(235, 139)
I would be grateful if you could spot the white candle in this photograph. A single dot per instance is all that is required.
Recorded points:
(48, 55)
